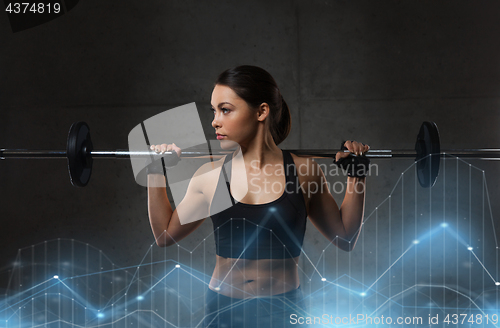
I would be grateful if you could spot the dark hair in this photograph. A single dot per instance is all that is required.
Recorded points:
(256, 86)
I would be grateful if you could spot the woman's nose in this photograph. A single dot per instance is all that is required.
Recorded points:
(215, 122)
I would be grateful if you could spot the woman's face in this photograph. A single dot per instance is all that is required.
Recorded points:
(234, 120)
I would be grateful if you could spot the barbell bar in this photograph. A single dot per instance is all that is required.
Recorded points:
(80, 154)
(483, 154)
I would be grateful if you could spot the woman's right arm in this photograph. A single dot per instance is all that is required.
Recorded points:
(165, 223)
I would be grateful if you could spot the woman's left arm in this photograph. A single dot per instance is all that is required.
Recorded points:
(340, 226)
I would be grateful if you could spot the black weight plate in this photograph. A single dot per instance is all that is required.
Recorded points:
(78, 151)
(428, 150)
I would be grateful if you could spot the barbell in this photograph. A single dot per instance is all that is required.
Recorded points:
(80, 154)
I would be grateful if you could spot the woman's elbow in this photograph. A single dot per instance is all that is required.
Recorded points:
(163, 241)
(346, 246)
(349, 247)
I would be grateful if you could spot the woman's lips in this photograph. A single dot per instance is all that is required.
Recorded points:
(220, 136)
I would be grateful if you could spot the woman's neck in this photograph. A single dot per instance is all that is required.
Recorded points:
(259, 153)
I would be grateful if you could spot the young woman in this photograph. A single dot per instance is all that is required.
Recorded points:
(259, 235)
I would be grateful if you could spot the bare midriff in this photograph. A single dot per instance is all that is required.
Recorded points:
(245, 278)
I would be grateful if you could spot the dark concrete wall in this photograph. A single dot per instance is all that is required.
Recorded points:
(364, 70)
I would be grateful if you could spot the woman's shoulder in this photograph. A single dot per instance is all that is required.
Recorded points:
(307, 168)
(207, 175)
(302, 162)
(209, 167)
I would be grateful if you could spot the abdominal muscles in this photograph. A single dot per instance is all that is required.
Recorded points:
(243, 278)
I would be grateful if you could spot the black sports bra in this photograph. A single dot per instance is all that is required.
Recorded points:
(259, 231)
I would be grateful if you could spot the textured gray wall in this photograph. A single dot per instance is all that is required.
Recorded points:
(365, 70)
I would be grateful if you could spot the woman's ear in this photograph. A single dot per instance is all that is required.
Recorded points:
(263, 112)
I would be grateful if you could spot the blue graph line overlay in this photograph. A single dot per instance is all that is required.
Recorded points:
(423, 255)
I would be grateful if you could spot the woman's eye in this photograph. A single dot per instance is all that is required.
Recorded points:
(224, 110)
